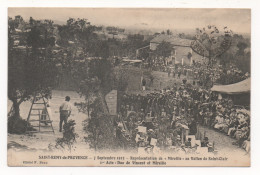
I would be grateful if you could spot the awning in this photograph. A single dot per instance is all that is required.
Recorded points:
(236, 88)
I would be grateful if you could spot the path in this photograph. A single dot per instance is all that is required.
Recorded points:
(223, 143)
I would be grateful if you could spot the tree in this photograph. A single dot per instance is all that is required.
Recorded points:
(169, 32)
(31, 68)
(88, 88)
(244, 62)
(164, 49)
(96, 80)
(133, 43)
(94, 76)
(241, 47)
(99, 129)
(243, 57)
(211, 43)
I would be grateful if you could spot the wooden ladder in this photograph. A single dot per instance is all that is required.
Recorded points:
(39, 115)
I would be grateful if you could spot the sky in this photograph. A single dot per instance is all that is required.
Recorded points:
(238, 20)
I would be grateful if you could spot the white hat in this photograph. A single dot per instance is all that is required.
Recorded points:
(210, 145)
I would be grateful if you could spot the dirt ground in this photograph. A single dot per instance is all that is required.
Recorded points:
(161, 81)
(41, 141)
(222, 143)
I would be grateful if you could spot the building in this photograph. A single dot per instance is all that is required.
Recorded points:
(181, 48)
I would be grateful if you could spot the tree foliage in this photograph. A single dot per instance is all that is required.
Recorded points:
(238, 54)
(99, 128)
(211, 42)
(164, 49)
(31, 68)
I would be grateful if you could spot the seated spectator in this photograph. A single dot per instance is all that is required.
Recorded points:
(246, 145)
(210, 147)
(188, 143)
(219, 122)
(232, 127)
(226, 124)
(205, 142)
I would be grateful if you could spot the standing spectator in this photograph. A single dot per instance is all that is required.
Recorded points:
(65, 111)
(143, 84)
(179, 74)
(169, 72)
(173, 73)
(151, 80)
(193, 127)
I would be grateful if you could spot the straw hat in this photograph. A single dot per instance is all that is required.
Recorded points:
(210, 145)
(150, 130)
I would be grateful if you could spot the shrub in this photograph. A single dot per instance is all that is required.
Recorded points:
(17, 125)
(69, 136)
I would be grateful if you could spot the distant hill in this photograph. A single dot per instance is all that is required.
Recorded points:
(59, 22)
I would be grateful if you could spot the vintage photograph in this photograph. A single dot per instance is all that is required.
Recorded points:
(129, 87)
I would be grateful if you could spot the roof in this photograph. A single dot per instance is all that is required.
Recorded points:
(171, 39)
(236, 88)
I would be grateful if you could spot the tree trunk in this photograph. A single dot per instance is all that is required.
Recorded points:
(88, 105)
(16, 109)
(103, 102)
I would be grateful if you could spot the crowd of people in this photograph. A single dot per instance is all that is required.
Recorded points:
(217, 74)
(164, 120)
(201, 72)
(156, 64)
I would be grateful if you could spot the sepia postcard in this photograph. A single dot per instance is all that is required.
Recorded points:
(149, 87)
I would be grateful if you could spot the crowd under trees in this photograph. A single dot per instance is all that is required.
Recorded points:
(48, 51)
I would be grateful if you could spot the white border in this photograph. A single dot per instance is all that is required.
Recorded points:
(253, 4)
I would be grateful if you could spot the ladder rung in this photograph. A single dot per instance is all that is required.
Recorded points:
(39, 131)
(40, 126)
(41, 122)
(47, 131)
(45, 126)
(32, 131)
(48, 121)
(33, 120)
(37, 114)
